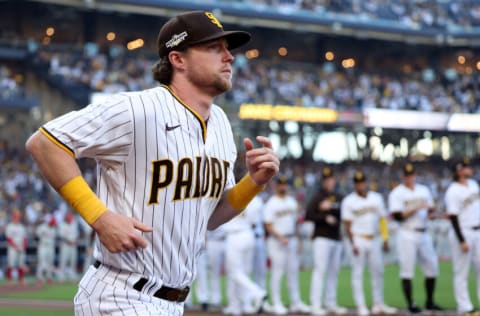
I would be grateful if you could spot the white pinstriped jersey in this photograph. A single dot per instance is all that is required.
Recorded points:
(402, 198)
(464, 201)
(282, 213)
(363, 212)
(158, 162)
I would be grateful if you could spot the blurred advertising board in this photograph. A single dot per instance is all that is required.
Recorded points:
(405, 119)
(463, 122)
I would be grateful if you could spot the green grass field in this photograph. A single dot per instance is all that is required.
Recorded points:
(393, 294)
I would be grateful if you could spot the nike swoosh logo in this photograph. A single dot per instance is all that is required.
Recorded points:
(171, 128)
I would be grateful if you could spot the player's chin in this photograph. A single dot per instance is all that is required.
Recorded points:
(223, 85)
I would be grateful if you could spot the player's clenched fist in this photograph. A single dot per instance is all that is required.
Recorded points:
(120, 233)
(262, 163)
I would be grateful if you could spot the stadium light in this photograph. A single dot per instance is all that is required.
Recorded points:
(329, 56)
(135, 44)
(50, 31)
(282, 51)
(252, 53)
(461, 59)
(110, 36)
(478, 65)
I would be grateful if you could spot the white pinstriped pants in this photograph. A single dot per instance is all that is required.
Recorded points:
(105, 292)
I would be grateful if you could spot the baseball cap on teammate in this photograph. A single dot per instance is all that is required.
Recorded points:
(409, 169)
(359, 176)
(327, 172)
(282, 180)
(193, 28)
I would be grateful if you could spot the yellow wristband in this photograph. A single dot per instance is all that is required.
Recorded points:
(384, 228)
(79, 195)
(243, 192)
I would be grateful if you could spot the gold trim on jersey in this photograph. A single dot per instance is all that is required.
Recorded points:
(203, 124)
(56, 141)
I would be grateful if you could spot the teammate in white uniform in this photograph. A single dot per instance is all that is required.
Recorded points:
(243, 294)
(46, 233)
(260, 250)
(208, 289)
(281, 215)
(16, 235)
(463, 206)
(68, 232)
(165, 160)
(363, 212)
(410, 204)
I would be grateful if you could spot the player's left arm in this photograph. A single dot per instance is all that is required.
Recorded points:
(262, 164)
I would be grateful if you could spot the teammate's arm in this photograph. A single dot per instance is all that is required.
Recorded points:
(262, 164)
(117, 232)
(458, 232)
(271, 232)
(348, 230)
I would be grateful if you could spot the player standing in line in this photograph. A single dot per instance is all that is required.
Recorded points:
(363, 212)
(208, 289)
(68, 232)
(323, 210)
(410, 204)
(16, 235)
(281, 215)
(243, 294)
(215, 248)
(46, 233)
(165, 159)
(463, 206)
(259, 268)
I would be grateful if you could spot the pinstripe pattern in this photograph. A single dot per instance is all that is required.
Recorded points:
(128, 137)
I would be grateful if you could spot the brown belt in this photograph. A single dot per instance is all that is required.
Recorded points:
(165, 292)
(366, 236)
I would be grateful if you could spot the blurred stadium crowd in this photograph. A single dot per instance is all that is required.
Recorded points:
(430, 14)
(290, 83)
(418, 81)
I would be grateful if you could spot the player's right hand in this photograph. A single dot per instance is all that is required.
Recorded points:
(355, 250)
(465, 247)
(119, 233)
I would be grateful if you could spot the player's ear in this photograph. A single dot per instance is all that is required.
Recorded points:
(177, 59)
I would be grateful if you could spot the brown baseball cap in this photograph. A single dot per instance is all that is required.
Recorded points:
(193, 28)
(359, 176)
(327, 172)
(282, 180)
(408, 169)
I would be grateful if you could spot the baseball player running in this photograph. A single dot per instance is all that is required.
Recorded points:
(165, 160)
(324, 211)
(463, 206)
(363, 212)
(281, 215)
(410, 204)
(16, 235)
